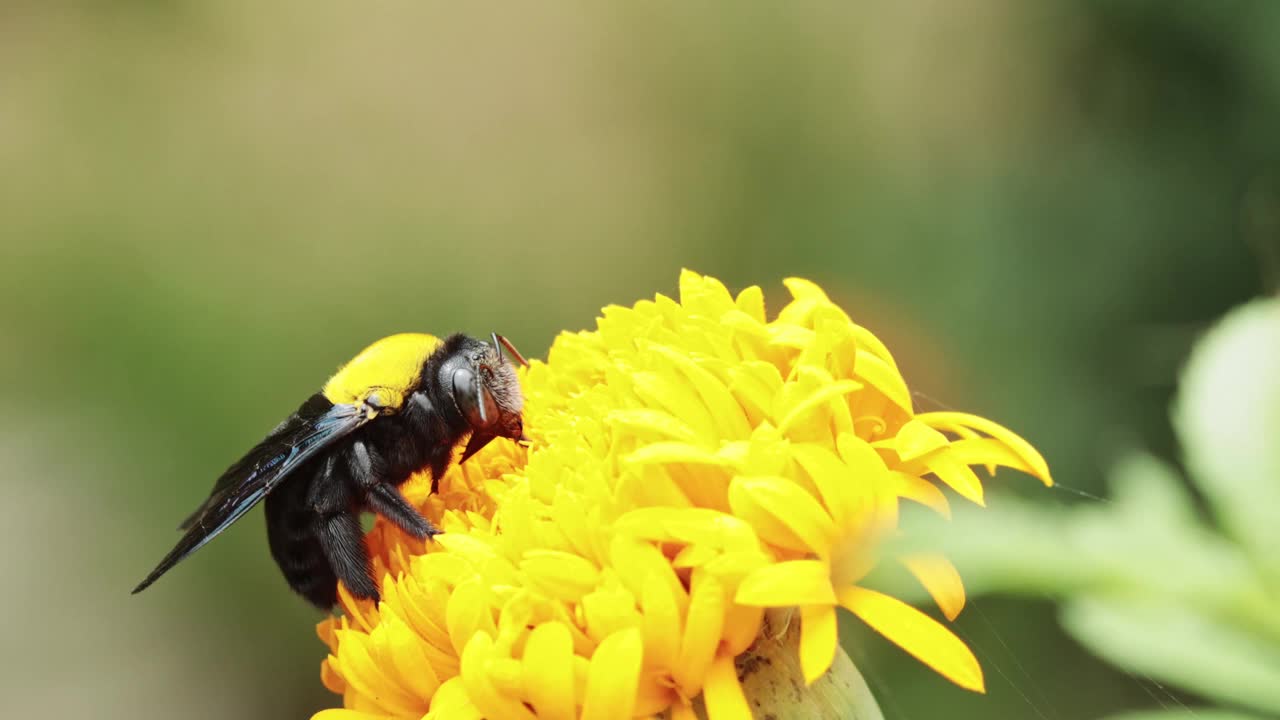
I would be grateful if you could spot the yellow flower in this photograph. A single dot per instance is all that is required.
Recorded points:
(693, 464)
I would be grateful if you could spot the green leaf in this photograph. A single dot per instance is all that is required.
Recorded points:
(1228, 420)
(1184, 714)
(1123, 548)
(1147, 488)
(1012, 546)
(1178, 645)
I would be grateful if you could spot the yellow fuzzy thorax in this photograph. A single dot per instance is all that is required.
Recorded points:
(390, 366)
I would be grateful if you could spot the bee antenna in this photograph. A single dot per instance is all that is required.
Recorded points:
(496, 347)
(510, 348)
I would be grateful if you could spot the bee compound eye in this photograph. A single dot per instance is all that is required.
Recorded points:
(473, 399)
(464, 394)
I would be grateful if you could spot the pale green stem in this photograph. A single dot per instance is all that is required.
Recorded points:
(774, 685)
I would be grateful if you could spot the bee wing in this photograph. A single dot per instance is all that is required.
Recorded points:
(270, 450)
(248, 481)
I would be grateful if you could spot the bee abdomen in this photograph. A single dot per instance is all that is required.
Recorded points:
(290, 533)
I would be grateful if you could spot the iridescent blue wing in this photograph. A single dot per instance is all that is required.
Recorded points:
(246, 483)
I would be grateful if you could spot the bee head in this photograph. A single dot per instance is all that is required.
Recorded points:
(484, 386)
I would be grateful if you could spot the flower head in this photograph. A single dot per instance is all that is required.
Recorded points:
(693, 464)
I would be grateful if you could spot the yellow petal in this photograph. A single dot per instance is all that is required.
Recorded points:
(488, 699)
(884, 377)
(751, 301)
(802, 289)
(561, 575)
(408, 660)
(956, 475)
(613, 677)
(651, 485)
(754, 384)
(968, 433)
(795, 582)
(669, 391)
(420, 603)
(991, 452)
(654, 694)
(571, 516)
(608, 609)
(732, 566)
(450, 569)
(468, 613)
(940, 579)
(702, 629)
(548, 671)
(723, 693)
(325, 628)
(664, 453)
(915, 439)
(359, 663)
(704, 294)
(363, 613)
(727, 413)
(828, 337)
(662, 624)
(867, 340)
(683, 711)
(765, 454)
(917, 633)
(643, 561)
(652, 424)
(694, 556)
(831, 476)
(749, 335)
(741, 627)
(343, 714)
(789, 336)
(329, 677)
(1024, 450)
(782, 513)
(817, 640)
(825, 394)
(465, 552)
(506, 674)
(581, 671)
(452, 703)
(922, 491)
(701, 526)
(865, 465)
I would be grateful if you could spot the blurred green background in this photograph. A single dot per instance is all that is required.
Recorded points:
(206, 207)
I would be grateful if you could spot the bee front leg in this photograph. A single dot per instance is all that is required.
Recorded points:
(337, 528)
(384, 498)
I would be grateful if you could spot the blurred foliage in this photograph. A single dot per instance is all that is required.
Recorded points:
(1166, 589)
(1203, 715)
(204, 208)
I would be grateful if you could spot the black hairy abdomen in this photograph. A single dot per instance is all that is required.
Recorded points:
(291, 535)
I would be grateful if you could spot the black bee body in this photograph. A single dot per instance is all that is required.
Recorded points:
(385, 416)
(313, 518)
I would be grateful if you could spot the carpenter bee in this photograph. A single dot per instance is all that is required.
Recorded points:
(402, 405)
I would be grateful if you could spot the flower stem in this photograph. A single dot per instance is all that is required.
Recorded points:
(774, 684)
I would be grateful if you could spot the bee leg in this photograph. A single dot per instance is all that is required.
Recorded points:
(384, 498)
(391, 504)
(342, 539)
(337, 528)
